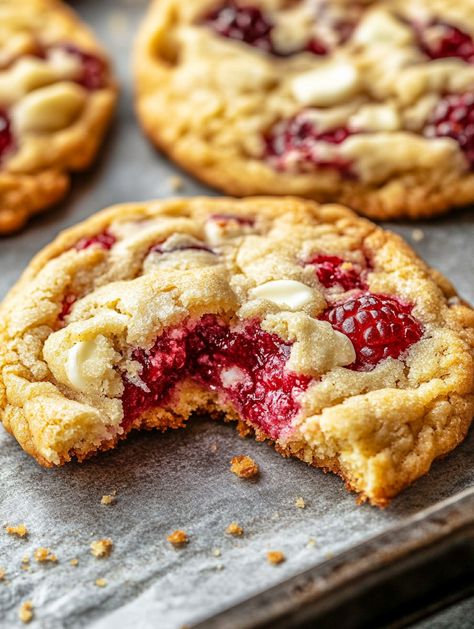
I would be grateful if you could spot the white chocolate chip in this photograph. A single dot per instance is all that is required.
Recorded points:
(381, 28)
(49, 109)
(331, 83)
(285, 293)
(88, 362)
(376, 118)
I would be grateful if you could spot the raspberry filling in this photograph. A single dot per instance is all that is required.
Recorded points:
(248, 24)
(245, 364)
(105, 240)
(66, 306)
(296, 143)
(440, 41)
(224, 218)
(6, 134)
(93, 74)
(244, 23)
(334, 271)
(454, 118)
(378, 326)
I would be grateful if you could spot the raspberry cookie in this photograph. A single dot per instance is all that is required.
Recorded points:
(56, 99)
(369, 103)
(315, 328)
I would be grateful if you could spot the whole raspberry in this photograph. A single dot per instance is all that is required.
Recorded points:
(454, 118)
(244, 23)
(379, 326)
(334, 271)
(6, 134)
(440, 41)
(294, 143)
(105, 240)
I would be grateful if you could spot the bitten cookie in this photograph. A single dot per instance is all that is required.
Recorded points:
(368, 103)
(319, 330)
(56, 99)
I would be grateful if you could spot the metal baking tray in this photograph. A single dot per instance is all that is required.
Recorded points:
(366, 567)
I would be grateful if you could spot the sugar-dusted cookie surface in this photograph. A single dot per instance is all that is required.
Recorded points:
(57, 96)
(368, 103)
(321, 331)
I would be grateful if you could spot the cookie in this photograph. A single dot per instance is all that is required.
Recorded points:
(57, 96)
(370, 104)
(318, 330)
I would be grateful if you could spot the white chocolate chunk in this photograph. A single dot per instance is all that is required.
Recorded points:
(381, 28)
(285, 293)
(376, 118)
(331, 83)
(87, 362)
(49, 109)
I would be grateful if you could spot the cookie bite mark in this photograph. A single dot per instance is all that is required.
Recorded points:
(454, 118)
(243, 364)
(379, 327)
(298, 145)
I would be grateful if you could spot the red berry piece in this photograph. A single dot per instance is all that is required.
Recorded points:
(294, 143)
(68, 303)
(454, 118)
(93, 74)
(333, 271)
(379, 327)
(316, 47)
(6, 134)
(105, 240)
(245, 365)
(241, 220)
(245, 23)
(440, 41)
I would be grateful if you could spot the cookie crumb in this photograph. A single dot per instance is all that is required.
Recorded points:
(244, 467)
(2, 574)
(19, 530)
(74, 562)
(216, 552)
(101, 582)
(178, 538)
(25, 613)
(44, 555)
(175, 183)
(311, 543)
(417, 235)
(108, 499)
(300, 503)
(25, 562)
(244, 429)
(329, 555)
(275, 557)
(220, 566)
(234, 529)
(102, 547)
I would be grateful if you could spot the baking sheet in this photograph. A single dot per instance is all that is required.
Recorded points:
(181, 479)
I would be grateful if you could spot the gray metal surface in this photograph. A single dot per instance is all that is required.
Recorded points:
(181, 479)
